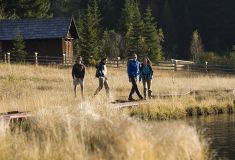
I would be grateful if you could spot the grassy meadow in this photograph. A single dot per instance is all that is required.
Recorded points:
(66, 127)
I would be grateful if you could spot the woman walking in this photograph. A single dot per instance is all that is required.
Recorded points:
(101, 73)
(146, 75)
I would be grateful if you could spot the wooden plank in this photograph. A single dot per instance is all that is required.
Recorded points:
(128, 104)
(120, 104)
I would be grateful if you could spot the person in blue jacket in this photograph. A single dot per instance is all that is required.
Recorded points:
(133, 67)
(146, 75)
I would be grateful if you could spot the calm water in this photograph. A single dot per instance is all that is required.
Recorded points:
(221, 132)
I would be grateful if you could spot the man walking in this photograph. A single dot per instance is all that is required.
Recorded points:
(133, 66)
(78, 73)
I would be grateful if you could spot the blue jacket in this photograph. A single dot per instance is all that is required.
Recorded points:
(133, 67)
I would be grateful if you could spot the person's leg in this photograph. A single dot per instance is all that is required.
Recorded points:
(145, 88)
(75, 83)
(136, 88)
(106, 85)
(101, 83)
(75, 92)
(132, 89)
(149, 83)
(81, 85)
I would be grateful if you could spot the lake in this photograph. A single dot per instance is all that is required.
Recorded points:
(220, 130)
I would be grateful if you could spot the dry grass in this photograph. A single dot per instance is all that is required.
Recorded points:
(68, 128)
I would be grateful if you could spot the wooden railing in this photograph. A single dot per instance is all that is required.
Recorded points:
(180, 65)
(42, 60)
(173, 64)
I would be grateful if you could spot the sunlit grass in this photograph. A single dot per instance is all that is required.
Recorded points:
(66, 127)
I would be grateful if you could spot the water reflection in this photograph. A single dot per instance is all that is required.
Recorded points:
(220, 130)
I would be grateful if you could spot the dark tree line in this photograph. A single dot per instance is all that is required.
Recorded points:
(213, 19)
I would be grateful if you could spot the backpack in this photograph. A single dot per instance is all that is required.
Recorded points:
(98, 72)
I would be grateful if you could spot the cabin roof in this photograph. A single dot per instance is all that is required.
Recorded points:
(38, 28)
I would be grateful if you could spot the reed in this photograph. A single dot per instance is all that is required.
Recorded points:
(65, 127)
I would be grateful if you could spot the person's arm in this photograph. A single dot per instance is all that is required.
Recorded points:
(73, 71)
(128, 69)
(151, 70)
(140, 71)
(83, 71)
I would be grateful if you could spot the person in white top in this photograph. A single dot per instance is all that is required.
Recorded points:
(101, 73)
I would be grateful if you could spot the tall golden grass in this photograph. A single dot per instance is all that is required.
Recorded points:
(66, 127)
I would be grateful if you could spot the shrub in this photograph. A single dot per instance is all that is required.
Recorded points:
(210, 57)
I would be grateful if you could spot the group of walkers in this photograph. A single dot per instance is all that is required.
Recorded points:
(136, 72)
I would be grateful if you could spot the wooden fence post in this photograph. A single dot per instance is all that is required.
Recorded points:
(118, 59)
(36, 58)
(8, 57)
(5, 58)
(206, 66)
(175, 64)
(64, 60)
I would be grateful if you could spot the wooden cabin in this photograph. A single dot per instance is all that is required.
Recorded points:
(50, 37)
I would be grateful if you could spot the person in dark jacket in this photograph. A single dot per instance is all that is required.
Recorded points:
(78, 73)
(101, 74)
(133, 66)
(146, 75)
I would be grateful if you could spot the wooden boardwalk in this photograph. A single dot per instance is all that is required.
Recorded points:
(120, 104)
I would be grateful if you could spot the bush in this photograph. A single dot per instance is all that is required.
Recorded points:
(210, 57)
(214, 58)
(232, 57)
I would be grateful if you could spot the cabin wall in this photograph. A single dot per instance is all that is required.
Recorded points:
(44, 47)
(67, 45)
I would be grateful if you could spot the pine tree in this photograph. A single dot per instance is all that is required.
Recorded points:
(133, 37)
(169, 30)
(2, 14)
(89, 35)
(153, 37)
(196, 47)
(28, 8)
(111, 44)
(105, 44)
(127, 14)
(18, 52)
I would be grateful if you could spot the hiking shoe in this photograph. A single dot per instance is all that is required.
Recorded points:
(131, 99)
(141, 98)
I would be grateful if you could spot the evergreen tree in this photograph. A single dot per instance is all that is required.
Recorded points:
(127, 15)
(60, 7)
(89, 36)
(169, 30)
(133, 37)
(153, 37)
(2, 14)
(18, 52)
(105, 44)
(196, 47)
(27, 8)
(111, 44)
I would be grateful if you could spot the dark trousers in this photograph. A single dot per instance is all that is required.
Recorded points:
(134, 88)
